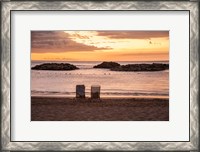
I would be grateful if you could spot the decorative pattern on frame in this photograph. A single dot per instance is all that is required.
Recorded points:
(109, 5)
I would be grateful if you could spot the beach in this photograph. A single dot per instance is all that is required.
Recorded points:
(107, 109)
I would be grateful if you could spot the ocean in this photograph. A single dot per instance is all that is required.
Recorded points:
(113, 83)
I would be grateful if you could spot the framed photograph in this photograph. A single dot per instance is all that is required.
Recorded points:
(84, 75)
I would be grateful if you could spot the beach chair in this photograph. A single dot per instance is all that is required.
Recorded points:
(80, 91)
(95, 92)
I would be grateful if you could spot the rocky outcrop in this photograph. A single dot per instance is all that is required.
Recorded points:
(107, 65)
(142, 67)
(55, 67)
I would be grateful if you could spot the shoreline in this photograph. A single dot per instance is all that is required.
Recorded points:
(103, 97)
(106, 109)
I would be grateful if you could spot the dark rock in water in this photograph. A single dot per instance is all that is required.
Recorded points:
(142, 67)
(107, 65)
(55, 67)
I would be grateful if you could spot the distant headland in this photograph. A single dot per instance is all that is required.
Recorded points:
(114, 66)
(55, 67)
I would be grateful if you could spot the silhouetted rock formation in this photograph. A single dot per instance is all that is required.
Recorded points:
(142, 67)
(107, 65)
(55, 67)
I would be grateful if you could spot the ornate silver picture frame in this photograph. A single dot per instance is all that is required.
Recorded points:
(7, 7)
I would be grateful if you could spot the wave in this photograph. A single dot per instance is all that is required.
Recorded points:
(35, 92)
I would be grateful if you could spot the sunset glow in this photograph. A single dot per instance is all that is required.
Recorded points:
(100, 45)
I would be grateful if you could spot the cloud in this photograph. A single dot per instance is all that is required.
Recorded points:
(134, 34)
(56, 42)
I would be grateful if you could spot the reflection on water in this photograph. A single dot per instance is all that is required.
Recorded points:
(113, 83)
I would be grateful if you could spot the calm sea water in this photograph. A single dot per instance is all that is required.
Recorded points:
(113, 83)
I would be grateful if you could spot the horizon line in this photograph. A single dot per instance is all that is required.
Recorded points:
(103, 61)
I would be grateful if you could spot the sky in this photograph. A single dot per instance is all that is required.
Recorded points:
(100, 45)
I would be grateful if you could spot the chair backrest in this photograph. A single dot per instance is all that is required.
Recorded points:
(95, 91)
(80, 91)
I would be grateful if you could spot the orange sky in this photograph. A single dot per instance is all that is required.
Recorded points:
(100, 45)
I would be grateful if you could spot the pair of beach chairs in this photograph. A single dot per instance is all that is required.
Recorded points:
(95, 91)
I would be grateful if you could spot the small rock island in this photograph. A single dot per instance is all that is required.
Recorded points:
(113, 66)
(107, 65)
(55, 67)
(142, 67)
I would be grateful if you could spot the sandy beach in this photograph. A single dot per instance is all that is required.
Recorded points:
(108, 109)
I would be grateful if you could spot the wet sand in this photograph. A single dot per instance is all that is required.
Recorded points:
(108, 109)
